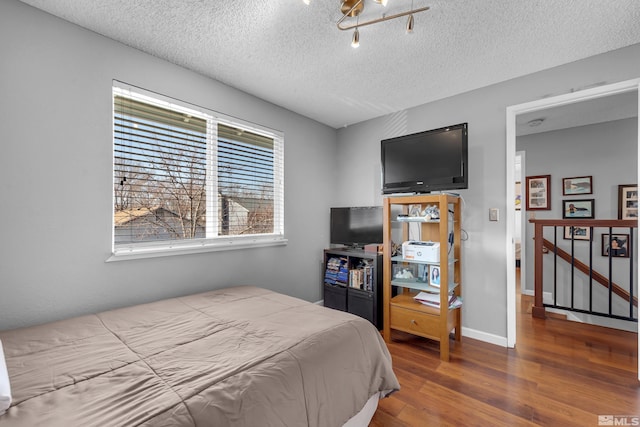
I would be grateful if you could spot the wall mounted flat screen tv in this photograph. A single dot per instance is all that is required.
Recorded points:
(433, 160)
(356, 226)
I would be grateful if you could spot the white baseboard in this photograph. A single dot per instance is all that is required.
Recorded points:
(484, 336)
(321, 302)
(570, 314)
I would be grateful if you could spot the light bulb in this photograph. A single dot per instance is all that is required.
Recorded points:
(355, 41)
(410, 24)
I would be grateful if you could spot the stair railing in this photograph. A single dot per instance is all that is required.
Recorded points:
(614, 259)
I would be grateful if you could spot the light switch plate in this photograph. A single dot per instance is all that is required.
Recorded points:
(493, 214)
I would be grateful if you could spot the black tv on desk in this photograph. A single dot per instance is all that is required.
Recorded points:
(433, 160)
(356, 226)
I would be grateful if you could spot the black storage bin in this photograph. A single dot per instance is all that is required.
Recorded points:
(335, 296)
(362, 303)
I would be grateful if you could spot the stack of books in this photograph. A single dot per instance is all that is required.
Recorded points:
(337, 271)
(361, 278)
(433, 300)
(356, 278)
(368, 278)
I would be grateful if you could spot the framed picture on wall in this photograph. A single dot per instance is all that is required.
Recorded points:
(576, 185)
(577, 208)
(538, 192)
(577, 233)
(628, 201)
(616, 245)
(518, 201)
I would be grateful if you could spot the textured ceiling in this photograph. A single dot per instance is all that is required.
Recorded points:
(292, 54)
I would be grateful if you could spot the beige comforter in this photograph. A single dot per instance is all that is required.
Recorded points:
(240, 356)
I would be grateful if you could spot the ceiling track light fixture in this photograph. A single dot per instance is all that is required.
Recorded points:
(353, 8)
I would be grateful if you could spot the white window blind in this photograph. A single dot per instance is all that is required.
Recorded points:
(189, 179)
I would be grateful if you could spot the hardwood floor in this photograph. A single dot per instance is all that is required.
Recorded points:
(560, 374)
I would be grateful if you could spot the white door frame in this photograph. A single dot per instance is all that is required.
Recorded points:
(523, 221)
(512, 112)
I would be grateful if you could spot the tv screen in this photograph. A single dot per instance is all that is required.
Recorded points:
(356, 226)
(433, 160)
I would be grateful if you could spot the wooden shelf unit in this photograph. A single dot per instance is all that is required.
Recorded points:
(401, 311)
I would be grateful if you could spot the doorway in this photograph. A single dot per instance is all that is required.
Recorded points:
(512, 114)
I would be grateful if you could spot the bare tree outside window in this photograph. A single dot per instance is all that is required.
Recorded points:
(160, 176)
(159, 173)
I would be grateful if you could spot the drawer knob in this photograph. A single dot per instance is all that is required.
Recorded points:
(413, 321)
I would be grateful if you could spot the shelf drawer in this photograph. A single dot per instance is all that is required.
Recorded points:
(414, 322)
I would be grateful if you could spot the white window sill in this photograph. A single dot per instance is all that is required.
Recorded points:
(141, 252)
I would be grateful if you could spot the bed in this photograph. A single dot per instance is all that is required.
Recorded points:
(241, 356)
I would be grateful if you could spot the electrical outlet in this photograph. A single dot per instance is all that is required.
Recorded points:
(493, 214)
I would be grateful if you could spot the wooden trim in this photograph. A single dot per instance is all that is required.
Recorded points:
(621, 223)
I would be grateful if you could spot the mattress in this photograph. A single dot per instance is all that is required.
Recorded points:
(241, 356)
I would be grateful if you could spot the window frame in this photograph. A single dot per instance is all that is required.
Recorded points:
(160, 248)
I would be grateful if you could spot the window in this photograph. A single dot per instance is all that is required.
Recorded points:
(188, 179)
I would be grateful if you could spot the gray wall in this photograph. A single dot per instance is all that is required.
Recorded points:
(56, 178)
(484, 267)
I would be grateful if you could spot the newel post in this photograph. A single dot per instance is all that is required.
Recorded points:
(538, 308)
